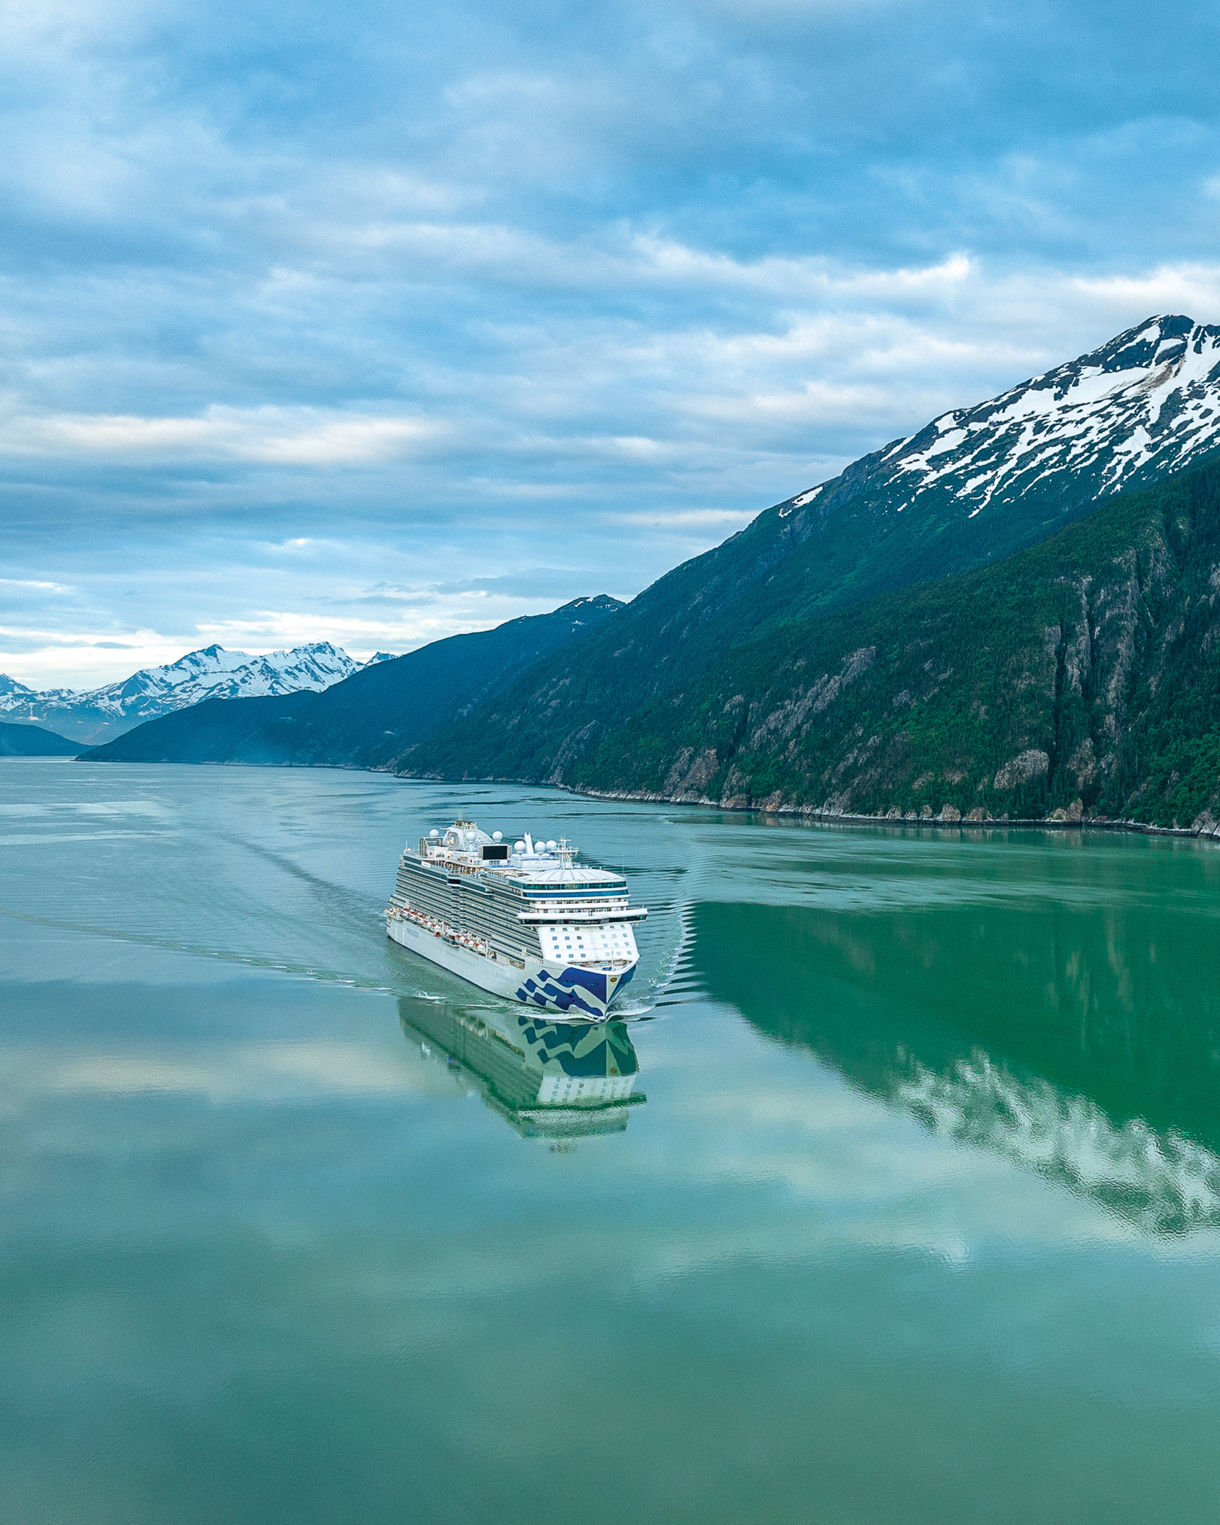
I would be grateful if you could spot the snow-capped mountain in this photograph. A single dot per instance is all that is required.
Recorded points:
(1143, 405)
(99, 714)
(14, 693)
(970, 488)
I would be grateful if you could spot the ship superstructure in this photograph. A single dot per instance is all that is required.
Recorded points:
(524, 920)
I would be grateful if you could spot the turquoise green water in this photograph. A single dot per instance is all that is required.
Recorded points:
(918, 1218)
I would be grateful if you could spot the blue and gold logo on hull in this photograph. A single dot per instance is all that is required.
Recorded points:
(582, 990)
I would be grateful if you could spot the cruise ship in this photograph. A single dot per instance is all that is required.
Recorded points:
(524, 921)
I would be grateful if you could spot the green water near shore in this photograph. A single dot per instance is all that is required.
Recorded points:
(919, 1220)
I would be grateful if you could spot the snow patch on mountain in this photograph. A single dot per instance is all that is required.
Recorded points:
(1142, 406)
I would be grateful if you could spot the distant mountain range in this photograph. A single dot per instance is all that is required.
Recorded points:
(1008, 612)
(97, 714)
(372, 718)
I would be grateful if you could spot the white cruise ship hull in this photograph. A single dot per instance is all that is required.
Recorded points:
(568, 993)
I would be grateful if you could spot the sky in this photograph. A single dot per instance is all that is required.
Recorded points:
(376, 322)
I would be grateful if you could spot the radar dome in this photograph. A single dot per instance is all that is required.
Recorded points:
(551, 845)
(497, 836)
(434, 833)
(518, 847)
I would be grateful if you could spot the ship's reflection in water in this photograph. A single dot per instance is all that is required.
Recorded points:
(1085, 1047)
(549, 1080)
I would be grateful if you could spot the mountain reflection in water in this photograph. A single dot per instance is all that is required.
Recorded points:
(553, 1080)
(1085, 1047)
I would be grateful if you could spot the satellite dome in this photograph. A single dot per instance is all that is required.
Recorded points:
(518, 847)
(497, 836)
(434, 832)
(552, 845)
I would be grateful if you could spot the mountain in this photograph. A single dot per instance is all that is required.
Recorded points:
(1008, 612)
(33, 741)
(1080, 676)
(14, 695)
(370, 717)
(211, 673)
(972, 487)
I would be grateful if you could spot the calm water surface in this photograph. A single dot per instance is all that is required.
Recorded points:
(919, 1220)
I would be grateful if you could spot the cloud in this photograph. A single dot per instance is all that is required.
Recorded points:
(79, 658)
(1190, 288)
(267, 435)
(296, 301)
(33, 584)
(411, 621)
(684, 518)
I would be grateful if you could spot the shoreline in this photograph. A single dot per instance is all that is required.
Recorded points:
(955, 822)
(1061, 821)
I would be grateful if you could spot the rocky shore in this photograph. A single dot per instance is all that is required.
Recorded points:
(1073, 817)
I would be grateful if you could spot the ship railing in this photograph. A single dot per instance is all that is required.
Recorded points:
(442, 929)
(446, 860)
(554, 915)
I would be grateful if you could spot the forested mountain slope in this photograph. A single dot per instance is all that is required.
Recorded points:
(1081, 675)
(33, 741)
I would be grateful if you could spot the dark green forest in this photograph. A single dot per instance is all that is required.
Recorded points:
(1078, 676)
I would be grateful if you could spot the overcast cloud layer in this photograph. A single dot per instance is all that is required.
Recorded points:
(372, 323)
